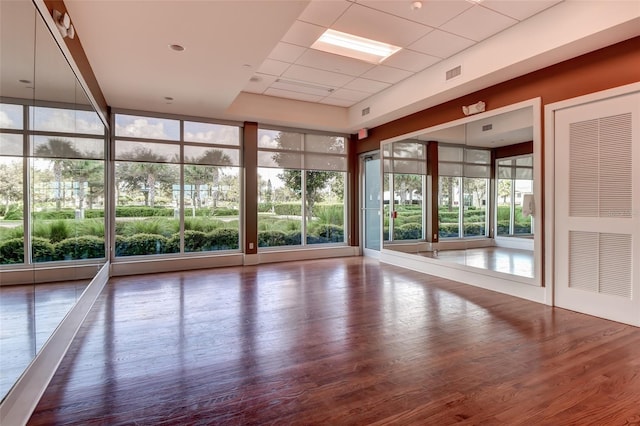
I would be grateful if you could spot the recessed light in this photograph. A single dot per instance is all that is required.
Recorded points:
(176, 47)
(24, 81)
(416, 5)
(255, 79)
(168, 98)
(355, 47)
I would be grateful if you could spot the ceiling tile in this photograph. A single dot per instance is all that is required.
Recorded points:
(467, 23)
(312, 75)
(519, 10)
(352, 95)
(387, 74)
(364, 85)
(292, 95)
(410, 61)
(261, 84)
(273, 67)
(286, 52)
(441, 44)
(303, 34)
(373, 24)
(301, 87)
(337, 102)
(432, 13)
(324, 13)
(336, 63)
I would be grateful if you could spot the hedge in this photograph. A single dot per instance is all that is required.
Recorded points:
(409, 231)
(279, 238)
(142, 244)
(326, 234)
(86, 247)
(12, 251)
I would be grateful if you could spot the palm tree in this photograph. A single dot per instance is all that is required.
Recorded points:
(60, 150)
(198, 175)
(144, 176)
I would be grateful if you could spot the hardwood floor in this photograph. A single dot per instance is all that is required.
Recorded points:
(333, 342)
(497, 259)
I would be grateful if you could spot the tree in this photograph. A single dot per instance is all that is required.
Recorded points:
(477, 187)
(316, 180)
(10, 183)
(144, 176)
(60, 150)
(90, 172)
(446, 195)
(406, 185)
(198, 175)
(504, 189)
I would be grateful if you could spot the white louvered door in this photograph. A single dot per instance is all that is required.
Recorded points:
(597, 208)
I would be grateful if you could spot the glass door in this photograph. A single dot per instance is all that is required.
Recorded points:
(371, 192)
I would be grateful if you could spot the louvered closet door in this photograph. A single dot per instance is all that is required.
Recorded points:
(597, 208)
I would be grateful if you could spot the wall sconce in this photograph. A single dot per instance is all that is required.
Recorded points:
(63, 22)
(473, 109)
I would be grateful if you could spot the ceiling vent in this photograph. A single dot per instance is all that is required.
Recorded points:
(454, 72)
(365, 111)
(487, 127)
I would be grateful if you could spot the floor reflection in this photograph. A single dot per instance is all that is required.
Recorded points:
(28, 316)
(499, 259)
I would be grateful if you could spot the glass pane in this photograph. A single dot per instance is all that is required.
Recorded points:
(504, 199)
(280, 159)
(68, 201)
(409, 166)
(522, 224)
(66, 120)
(211, 156)
(11, 224)
(473, 171)
(325, 144)
(408, 195)
(475, 206)
(64, 147)
(211, 133)
(505, 172)
(212, 208)
(372, 204)
(147, 127)
(387, 206)
(450, 153)
(525, 174)
(11, 116)
(275, 139)
(450, 169)
(149, 152)
(477, 156)
(11, 144)
(415, 150)
(325, 162)
(280, 207)
(325, 207)
(525, 161)
(448, 207)
(147, 208)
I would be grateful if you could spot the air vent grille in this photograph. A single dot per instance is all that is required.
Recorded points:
(454, 72)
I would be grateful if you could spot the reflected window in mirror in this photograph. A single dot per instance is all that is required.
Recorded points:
(514, 177)
(463, 191)
(405, 170)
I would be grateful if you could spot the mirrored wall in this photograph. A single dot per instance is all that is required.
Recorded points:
(465, 193)
(52, 188)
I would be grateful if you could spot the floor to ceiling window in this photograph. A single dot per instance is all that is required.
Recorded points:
(301, 188)
(463, 191)
(514, 182)
(177, 186)
(52, 165)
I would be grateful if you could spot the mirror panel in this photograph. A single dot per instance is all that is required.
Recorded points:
(485, 192)
(52, 193)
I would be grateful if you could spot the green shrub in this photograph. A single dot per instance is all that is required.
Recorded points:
(409, 231)
(329, 214)
(447, 216)
(93, 227)
(448, 230)
(143, 244)
(14, 212)
(272, 239)
(94, 213)
(223, 211)
(42, 250)
(12, 251)
(265, 207)
(85, 247)
(202, 224)
(58, 231)
(152, 225)
(288, 209)
(325, 234)
(143, 211)
(11, 233)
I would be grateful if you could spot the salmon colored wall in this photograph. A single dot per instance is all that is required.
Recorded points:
(603, 69)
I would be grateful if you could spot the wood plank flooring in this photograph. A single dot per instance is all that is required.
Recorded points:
(338, 342)
(497, 259)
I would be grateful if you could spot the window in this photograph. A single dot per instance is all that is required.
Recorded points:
(301, 184)
(463, 191)
(177, 191)
(62, 153)
(405, 169)
(514, 180)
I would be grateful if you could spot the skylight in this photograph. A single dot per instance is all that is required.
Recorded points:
(361, 48)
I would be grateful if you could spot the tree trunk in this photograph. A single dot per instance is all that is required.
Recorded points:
(57, 175)
(151, 185)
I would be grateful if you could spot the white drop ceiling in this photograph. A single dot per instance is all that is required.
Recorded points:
(241, 53)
